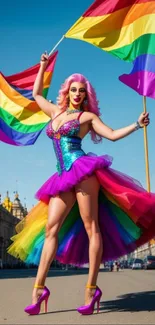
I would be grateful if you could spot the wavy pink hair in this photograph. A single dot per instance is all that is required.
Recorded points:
(92, 102)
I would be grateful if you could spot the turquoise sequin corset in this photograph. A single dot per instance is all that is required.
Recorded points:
(67, 145)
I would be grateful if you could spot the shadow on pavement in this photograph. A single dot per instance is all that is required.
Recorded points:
(132, 302)
(28, 273)
(54, 312)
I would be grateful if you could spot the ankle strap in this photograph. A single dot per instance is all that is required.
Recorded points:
(38, 286)
(90, 286)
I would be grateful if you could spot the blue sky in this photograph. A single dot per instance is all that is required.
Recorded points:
(28, 29)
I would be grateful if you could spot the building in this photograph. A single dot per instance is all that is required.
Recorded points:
(144, 250)
(10, 214)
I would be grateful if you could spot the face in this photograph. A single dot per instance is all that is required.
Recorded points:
(77, 93)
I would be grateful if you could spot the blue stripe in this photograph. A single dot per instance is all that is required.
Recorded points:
(24, 92)
(21, 139)
(124, 234)
(145, 62)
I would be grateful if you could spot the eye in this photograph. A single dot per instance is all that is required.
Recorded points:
(73, 89)
(82, 90)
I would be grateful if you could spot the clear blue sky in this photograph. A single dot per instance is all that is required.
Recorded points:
(28, 29)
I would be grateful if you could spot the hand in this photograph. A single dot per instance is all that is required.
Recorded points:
(144, 119)
(44, 60)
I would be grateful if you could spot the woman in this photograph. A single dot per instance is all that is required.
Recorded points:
(84, 188)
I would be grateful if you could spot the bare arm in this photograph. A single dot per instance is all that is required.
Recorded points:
(47, 107)
(113, 135)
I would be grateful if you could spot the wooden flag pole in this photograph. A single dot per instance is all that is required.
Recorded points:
(146, 162)
(146, 151)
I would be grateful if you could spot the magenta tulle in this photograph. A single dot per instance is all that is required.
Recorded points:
(129, 195)
(82, 167)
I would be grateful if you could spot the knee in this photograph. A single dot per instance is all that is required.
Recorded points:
(51, 230)
(91, 226)
(88, 228)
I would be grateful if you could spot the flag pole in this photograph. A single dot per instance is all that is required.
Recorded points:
(147, 162)
(146, 151)
(57, 45)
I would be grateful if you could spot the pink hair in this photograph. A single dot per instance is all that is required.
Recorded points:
(92, 105)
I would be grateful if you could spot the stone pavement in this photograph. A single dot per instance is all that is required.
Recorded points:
(128, 297)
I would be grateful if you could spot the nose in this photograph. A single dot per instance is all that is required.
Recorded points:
(77, 92)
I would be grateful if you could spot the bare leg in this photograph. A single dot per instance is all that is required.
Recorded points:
(87, 197)
(59, 208)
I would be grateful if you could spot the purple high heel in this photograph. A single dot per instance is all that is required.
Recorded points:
(89, 309)
(35, 309)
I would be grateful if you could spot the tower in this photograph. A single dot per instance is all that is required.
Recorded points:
(17, 208)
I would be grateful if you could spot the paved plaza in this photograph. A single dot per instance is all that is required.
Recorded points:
(128, 297)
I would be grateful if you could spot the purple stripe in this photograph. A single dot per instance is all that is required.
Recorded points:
(143, 82)
(5, 138)
(145, 62)
(17, 138)
(24, 92)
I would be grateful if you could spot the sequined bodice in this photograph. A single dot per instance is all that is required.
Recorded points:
(70, 128)
(67, 144)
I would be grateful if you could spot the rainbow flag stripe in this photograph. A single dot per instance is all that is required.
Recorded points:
(142, 77)
(21, 120)
(124, 28)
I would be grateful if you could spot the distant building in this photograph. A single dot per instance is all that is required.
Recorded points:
(144, 250)
(15, 207)
(10, 214)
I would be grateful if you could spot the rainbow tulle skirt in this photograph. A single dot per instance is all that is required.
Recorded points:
(126, 215)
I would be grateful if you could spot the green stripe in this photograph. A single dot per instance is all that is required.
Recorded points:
(125, 221)
(72, 217)
(45, 92)
(145, 44)
(122, 217)
(15, 124)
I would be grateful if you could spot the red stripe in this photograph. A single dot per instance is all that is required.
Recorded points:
(26, 78)
(104, 7)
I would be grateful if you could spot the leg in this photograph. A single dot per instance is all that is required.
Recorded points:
(87, 197)
(59, 208)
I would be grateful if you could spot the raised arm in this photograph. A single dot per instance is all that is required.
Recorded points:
(47, 107)
(113, 135)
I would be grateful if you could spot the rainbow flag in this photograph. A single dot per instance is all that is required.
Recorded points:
(124, 28)
(21, 119)
(142, 77)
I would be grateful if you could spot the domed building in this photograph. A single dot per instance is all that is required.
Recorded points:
(18, 210)
(15, 208)
(11, 212)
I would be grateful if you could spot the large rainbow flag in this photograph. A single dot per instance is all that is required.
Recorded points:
(21, 120)
(124, 28)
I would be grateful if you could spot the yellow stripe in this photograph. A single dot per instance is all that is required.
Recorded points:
(18, 98)
(114, 21)
(22, 114)
(13, 94)
(89, 29)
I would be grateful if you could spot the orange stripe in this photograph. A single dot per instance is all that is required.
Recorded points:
(102, 25)
(16, 97)
(124, 17)
(89, 29)
(47, 78)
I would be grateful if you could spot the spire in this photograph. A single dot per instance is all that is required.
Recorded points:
(7, 204)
